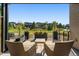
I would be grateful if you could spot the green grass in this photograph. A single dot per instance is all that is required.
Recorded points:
(30, 31)
(33, 31)
(16, 31)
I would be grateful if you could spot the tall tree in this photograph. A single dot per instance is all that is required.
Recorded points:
(60, 25)
(11, 25)
(67, 26)
(33, 25)
(54, 25)
(45, 25)
(49, 26)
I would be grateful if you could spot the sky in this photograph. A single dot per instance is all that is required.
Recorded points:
(39, 13)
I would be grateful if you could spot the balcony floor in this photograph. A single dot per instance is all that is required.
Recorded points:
(41, 48)
(39, 54)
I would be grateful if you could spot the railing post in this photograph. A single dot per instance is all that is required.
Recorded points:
(63, 35)
(68, 35)
(59, 35)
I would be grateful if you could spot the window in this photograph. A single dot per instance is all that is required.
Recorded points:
(35, 18)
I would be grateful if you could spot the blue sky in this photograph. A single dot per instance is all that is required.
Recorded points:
(39, 13)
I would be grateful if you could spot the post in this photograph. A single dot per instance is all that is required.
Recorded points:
(68, 35)
(63, 35)
(19, 31)
(59, 33)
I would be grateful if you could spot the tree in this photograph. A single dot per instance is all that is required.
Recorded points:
(19, 28)
(63, 26)
(67, 26)
(33, 25)
(44, 25)
(54, 24)
(49, 27)
(60, 25)
(11, 25)
(23, 26)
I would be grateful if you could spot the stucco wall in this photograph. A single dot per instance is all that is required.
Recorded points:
(0, 35)
(74, 23)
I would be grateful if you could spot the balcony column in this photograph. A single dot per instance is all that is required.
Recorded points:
(74, 24)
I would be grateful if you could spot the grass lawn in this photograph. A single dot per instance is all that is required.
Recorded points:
(31, 32)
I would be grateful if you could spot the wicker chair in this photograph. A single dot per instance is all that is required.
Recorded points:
(58, 48)
(21, 49)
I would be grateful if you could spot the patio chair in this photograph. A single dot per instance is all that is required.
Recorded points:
(58, 48)
(21, 49)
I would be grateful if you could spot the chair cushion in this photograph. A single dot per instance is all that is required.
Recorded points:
(11, 40)
(28, 45)
(50, 45)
